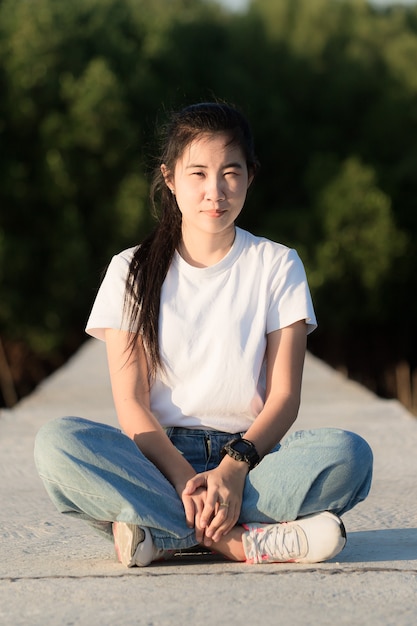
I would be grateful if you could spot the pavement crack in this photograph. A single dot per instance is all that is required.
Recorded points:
(333, 572)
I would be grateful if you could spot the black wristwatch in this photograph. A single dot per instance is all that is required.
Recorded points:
(241, 450)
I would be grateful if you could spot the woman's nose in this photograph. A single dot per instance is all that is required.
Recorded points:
(215, 189)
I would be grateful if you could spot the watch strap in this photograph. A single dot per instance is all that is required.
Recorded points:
(246, 453)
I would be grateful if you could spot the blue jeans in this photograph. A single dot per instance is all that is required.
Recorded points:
(95, 472)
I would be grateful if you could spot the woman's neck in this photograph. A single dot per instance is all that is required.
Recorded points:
(205, 250)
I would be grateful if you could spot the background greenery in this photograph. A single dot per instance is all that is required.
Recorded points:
(330, 87)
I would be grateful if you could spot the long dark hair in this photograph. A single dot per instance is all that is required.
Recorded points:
(151, 260)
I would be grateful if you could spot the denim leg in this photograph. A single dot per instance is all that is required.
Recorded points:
(313, 470)
(325, 469)
(95, 472)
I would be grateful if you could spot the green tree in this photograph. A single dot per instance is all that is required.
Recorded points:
(360, 246)
(82, 86)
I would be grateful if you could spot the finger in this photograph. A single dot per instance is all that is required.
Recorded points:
(208, 512)
(218, 525)
(225, 528)
(190, 512)
(220, 519)
(199, 480)
(223, 522)
(199, 529)
(193, 506)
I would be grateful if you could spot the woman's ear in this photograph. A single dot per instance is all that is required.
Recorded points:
(167, 177)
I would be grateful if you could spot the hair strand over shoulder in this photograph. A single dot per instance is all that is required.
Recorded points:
(153, 257)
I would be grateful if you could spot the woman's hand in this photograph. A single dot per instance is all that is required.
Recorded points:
(213, 499)
(193, 499)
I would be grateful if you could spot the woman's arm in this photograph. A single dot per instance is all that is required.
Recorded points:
(285, 360)
(285, 355)
(129, 381)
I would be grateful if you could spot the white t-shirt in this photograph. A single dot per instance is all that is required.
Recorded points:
(212, 329)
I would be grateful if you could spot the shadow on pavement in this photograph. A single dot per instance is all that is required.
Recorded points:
(388, 544)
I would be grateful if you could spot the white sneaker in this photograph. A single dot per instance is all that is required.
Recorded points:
(134, 545)
(310, 539)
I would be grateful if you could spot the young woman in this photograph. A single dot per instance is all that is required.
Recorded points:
(205, 327)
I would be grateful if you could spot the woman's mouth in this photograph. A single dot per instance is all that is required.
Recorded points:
(215, 213)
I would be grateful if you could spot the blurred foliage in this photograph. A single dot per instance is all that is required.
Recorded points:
(358, 247)
(331, 90)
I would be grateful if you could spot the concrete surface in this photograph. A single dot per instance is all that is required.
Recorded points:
(55, 571)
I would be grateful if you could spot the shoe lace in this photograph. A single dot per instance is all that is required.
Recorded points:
(282, 541)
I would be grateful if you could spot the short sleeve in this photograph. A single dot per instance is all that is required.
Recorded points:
(290, 298)
(107, 311)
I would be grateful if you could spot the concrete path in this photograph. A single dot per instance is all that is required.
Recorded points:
(54, 571)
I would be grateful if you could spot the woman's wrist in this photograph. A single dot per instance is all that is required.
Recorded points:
(242, 449)
(235, 466)
(180, 483)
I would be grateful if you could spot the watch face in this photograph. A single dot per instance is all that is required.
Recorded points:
(241, 447)
(242, 450)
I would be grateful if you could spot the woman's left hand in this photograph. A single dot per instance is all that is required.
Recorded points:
(223, 501)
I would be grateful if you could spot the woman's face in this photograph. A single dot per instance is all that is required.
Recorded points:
(210, 182)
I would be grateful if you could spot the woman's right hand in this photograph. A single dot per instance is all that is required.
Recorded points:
(213, 499)
(193, 506)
